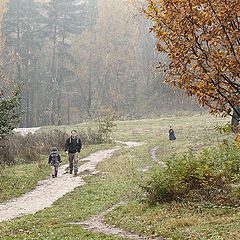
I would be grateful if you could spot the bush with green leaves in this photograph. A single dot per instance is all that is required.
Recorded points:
(27, 148)
(106, 123)
(9, 114)
(211, 175)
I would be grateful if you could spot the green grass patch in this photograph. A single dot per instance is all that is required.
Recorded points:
(189, 220)
(119, 180)
(178, 221)
(213, 175)
(18, 179)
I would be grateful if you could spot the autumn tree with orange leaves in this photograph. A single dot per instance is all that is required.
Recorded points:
(201, 39)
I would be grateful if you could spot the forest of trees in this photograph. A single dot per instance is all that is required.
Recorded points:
(75, 56)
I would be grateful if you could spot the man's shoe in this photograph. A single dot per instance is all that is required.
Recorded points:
(70, 172)
(53, 176)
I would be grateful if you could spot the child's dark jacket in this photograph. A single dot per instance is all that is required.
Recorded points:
(54, 159)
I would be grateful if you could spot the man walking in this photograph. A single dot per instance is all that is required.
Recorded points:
(73, 147)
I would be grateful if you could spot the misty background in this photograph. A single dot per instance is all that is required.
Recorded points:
(74, 56)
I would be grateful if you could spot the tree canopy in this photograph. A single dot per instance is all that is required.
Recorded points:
(9, 97)
(201, 39)
(9, 114)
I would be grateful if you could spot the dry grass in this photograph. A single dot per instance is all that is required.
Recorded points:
(121, 182)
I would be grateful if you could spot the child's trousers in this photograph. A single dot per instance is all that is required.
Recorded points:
(54, 171)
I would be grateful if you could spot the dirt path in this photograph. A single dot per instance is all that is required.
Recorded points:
(97, 224)
(154, 157)
(26, 131)
(48, 190)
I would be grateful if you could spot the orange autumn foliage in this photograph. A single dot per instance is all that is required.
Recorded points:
(201, 39)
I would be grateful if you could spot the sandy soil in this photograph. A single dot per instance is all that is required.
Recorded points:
(153, 154)
(26, 131)
(97, 224)
(48, 190)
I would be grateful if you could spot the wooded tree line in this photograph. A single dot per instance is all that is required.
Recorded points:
(75, 56)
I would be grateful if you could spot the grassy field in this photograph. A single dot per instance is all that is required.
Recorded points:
(121, 183)
(21, 178)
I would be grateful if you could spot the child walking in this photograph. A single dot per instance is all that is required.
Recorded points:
(54, 160)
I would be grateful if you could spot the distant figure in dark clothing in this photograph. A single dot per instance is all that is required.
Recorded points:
(171, 134)
(73, 147)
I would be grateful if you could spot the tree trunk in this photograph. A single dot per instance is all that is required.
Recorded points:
(27, 95)
(235, 119)
(53, 80)
(90, 86)
(68, 121)
(18, 63)
(60, 80)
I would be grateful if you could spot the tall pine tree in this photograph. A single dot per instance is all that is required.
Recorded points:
(21, 27)
(64, 19)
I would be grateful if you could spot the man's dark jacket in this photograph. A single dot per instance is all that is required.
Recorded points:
(73, 145)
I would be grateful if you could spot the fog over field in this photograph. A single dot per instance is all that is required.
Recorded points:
(75, 58)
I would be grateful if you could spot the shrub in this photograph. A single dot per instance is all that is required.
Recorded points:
(90, 136)
(9, 114)
(27, 148)
(106, 123)
(211, 175)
